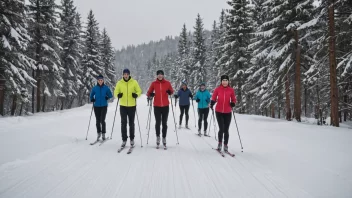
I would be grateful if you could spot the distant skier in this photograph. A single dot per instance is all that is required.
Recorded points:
(160, 89)
(225, 97)
(203, 99)
(184, 94)
(100, 95)
(127, 90)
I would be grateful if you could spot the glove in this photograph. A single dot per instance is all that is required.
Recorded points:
(92, 100)
(191, 95)
(212, 103)
(197, 100)
(232, 104)
(119, 95)
(207, 101)
(176, 96)
(151, 95)
(134, 95)
(106, 97)
(168, 92)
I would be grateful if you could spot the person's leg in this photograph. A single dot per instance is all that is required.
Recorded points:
(157, 114)
(187, 115)
(165, 115)
(227, 122)
(220, 119)
(131, 116)
(123, 114)
(182, 110)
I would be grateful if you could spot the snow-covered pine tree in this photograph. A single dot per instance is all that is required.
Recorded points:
(212, 58)
(71, 53)
(45, 49)
(239, 27)
(198, 66)
(183, 57)
(14, 63)
(108, 56)
(91, 62)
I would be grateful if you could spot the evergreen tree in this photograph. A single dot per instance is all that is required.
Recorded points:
(108, 60)
(45, 49)
(14, 63)
(71, 53)
(91, 62)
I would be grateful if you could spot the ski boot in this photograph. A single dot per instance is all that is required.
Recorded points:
(158, 140)
(226, 148)
(103, 136)
(132, 143)
(164, 141)
(219, 146)
(99, 135)
(123, 144)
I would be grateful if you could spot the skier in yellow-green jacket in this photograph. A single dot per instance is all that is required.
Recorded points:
(127, 90)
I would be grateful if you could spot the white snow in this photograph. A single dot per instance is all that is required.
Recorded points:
(46, 155)
(6, 42)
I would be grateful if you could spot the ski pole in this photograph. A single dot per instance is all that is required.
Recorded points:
(214, 124)
(194, 114)
(140, 134)
(113, 124)
(148, 116)
(237, 129)
(172, 107)
(90, 119)
(150, 119)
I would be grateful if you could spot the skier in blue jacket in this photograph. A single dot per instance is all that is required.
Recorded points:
(203, 99)
(100, 95)
(184, 94)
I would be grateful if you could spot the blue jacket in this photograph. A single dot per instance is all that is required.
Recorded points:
(99, 92)
(204, 97)
(184, 96)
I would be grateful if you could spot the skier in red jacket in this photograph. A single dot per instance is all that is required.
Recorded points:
(160, 89)
(225, 97)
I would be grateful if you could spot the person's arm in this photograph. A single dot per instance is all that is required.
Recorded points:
(117, 89)
(92, 94)
(151, 89)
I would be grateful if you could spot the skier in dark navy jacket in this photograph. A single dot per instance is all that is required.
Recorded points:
(184, 94)
(100, 95)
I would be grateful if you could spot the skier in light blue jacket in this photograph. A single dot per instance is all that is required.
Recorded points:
(202, 97)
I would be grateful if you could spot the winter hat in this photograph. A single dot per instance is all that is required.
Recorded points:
(184, 83)
(160, 72)
(100, 77)
(223, 77)
(126, 71)
(202, 84)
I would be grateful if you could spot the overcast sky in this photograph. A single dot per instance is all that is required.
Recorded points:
(140, 21)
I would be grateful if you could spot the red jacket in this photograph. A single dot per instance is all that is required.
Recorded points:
(160, 88)
(223, 96)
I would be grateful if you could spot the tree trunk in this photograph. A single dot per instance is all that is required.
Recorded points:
(345, 113)
(279, 107)
(297, 98)
(62, 103)
(272, 110)
(21, 109)
(38, 89)
(33, 92)
(14, 105)
(332, 62)
(305, 101)
(287, 91)
(2, 95)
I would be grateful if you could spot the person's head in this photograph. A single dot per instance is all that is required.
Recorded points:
(184, 85)
(126, 74)
(202, 86)
(225, 80)
(100, 79)
(160, 74)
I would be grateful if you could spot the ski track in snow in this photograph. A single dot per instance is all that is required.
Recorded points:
(46, 155)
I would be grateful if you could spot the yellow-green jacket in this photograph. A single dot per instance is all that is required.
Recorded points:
(127, 88)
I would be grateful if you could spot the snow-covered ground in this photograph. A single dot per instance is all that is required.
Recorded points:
(46, 155)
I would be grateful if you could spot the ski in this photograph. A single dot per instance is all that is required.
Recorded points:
(102, 142)
(120, 149)
(231, 154)
(199, 134)
(96, 141)
(130, 150)
(220, 152)
(207, 136)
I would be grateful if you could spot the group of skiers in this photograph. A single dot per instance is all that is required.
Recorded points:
(127, 91)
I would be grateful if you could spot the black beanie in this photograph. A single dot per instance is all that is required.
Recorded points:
(160, 72)
(224, 77)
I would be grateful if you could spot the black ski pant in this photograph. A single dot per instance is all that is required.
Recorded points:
(203, 115)
(161, 114)
(129, 112)
(100, 114)
(224, 120)
(184, 110)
